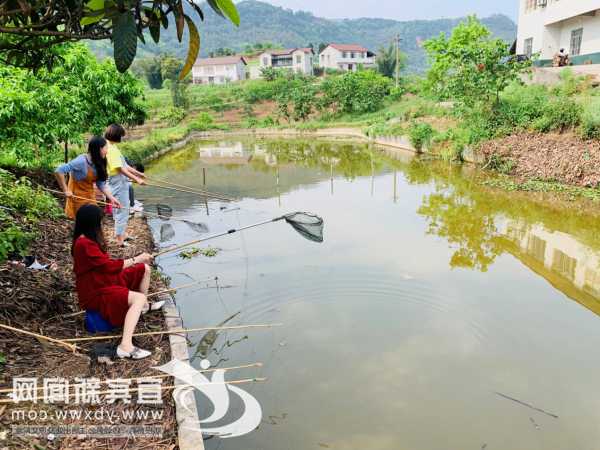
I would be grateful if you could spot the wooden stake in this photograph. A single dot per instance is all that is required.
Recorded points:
(68, 346)
(182, 330)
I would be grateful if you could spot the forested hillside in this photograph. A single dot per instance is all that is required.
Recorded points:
(262, 22)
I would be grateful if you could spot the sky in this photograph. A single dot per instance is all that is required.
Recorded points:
(401, 9)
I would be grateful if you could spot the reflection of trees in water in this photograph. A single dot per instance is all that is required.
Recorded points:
(464, 225)
(348, 159)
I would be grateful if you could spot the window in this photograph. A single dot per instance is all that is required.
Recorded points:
(298, 59)
(352, 55)
(345, 54)
(576, 38)
(528, 48)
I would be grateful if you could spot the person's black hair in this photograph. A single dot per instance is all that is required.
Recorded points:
(95, 146)
(88, 223)
(114, 132)
(139, 167)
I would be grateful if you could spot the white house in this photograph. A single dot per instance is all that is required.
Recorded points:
(546, 26)
(346, 57)
(297, 59)
(219, 70)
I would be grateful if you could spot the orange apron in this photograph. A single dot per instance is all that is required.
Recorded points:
(83, 188)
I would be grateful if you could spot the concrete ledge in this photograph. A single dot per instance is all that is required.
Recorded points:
(189, 435)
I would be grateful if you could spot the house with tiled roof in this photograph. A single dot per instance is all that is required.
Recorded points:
(346, 57)
(297, 59)
(223, 69)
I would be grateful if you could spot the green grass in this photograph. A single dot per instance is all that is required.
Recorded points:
(571, 192)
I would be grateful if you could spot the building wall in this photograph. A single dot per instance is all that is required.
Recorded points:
(551, 27)
(303, 65)
(331, 58)
(220, 73)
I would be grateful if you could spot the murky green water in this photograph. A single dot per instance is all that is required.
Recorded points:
(429, 296)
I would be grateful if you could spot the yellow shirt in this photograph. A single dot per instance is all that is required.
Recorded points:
(114, 160)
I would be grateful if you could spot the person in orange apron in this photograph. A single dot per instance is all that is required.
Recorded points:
(85, 170)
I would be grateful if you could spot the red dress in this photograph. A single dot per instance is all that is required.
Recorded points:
(102, 283)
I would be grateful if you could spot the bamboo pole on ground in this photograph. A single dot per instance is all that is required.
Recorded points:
(64, 344)
(178, 331)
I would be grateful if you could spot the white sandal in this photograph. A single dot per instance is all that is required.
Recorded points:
(136, 353)
(155, 306)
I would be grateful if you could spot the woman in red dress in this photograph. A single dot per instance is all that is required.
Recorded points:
(116, 288)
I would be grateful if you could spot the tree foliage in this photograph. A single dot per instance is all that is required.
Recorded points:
(470, 66)
(355, 92)
(29, 28)
(38, 112)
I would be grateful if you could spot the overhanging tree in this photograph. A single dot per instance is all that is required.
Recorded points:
(31, 30)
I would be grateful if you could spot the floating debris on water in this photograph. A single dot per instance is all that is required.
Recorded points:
(209, 252)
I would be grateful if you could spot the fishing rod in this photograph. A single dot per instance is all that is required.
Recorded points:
(191, 191)
(187, 188)
(308, 225)
(100, 202)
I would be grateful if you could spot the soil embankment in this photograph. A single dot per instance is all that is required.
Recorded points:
(45, 302)
(561, 157)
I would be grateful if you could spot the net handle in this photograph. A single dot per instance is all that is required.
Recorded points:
(224, 233)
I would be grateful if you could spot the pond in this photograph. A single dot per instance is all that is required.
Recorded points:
(436, 314)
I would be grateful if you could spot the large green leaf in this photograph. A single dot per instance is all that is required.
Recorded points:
(155, 31)
(229, 10)
(95, 10)
(193, 49)
(179, 21)
(124, 40)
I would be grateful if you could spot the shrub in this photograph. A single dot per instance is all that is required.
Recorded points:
(355, 92)
(22, 208)
(203, 122)
(172, 115)
(559, 114)
(420, 134)
(590, 122)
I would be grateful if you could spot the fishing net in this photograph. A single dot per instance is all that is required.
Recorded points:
(308, 225)
(197, 227)
(164, 211)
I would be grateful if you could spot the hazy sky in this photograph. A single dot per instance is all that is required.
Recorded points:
(401, 9)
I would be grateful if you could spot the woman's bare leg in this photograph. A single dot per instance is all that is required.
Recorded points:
(136, 302)
(145, 283)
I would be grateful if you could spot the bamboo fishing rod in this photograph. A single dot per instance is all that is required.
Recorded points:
(100, 202)
(190, 191)
(177, 331)
(61, 343)
(158, 377)
(163, 388)
(159, 180)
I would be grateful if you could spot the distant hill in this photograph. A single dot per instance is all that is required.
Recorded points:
(262, 22)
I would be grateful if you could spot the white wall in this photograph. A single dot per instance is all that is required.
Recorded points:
(220, 73)
(551, 27)
(334, 59)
